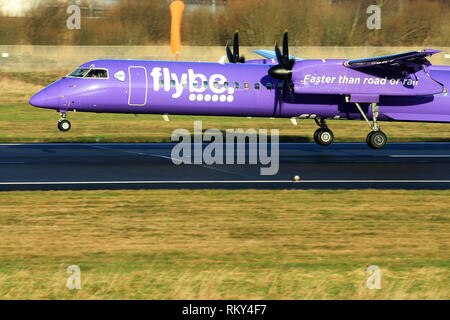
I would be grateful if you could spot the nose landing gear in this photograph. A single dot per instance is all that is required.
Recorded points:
(323, 136)
(64, 125)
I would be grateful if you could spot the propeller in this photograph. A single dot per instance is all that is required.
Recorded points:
(283, 71)
(234, 56)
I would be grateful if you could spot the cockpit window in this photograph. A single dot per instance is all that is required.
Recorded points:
(97, 73)
(79, 73)
(89, 73)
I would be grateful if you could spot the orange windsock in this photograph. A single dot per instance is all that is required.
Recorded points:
(176, 10)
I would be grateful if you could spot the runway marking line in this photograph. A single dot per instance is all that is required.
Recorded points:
(218, 182)
(12, 162)
(420, 156)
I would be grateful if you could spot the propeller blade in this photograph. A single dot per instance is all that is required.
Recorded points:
(230, 54)
(236, 47)
(278, 54)
(285, 48)
(234, 55)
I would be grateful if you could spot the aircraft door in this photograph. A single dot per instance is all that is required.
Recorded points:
(138, 89)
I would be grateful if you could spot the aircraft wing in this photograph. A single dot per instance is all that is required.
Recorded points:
(411, 62)
(269, 54)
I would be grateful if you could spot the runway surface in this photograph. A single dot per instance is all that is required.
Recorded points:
(149, 166)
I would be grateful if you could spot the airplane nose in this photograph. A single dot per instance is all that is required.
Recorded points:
(44, 100)
(47, 97)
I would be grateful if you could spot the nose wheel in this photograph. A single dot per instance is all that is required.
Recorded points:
(64, 125)
(323, 136)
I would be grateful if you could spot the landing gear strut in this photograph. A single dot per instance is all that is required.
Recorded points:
(323, 136)
(64, 124)
(377, 139)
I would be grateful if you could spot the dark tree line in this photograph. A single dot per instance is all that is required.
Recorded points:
(261, 22)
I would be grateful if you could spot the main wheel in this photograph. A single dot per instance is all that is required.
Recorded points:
(64, 125)
(368, 137)
(316, 139)
(377, 140)
(323, 137)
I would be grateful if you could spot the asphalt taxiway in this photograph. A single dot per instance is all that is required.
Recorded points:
(149, 166)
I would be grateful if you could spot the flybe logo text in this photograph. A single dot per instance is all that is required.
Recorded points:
(200, 87)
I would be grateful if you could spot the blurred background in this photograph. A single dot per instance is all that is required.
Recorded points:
(213, 22)
(34, 36)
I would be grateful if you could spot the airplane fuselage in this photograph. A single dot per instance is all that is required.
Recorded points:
(212, 89)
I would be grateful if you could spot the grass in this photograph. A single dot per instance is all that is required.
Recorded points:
(34, 78)
(216, 244)
(21, 123)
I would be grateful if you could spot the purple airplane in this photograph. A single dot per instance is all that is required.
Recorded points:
(401, 87)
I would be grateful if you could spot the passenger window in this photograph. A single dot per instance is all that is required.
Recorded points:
(161, 83)
(205, 84)
(196, 84)
(216, 85)
(97, 73)
(226, 85)
(236, 85)
(172, 83)
(185, 85)
(269, 85)
(257, 86)
(246, 86)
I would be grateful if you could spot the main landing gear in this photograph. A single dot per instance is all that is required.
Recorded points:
(323, 136)
(64, 124)
(377, 139)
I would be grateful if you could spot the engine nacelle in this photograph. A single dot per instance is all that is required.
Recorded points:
(333, 77)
